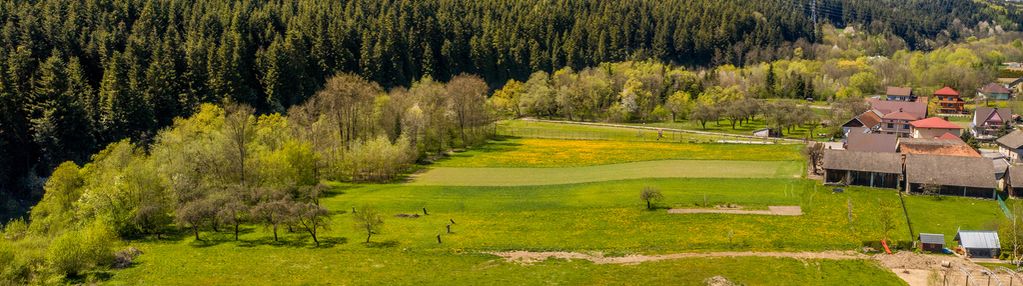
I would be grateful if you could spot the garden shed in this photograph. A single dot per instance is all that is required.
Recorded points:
(979, 243)
(933, 242)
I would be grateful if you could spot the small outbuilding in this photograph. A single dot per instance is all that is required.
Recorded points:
(979, 243)
(933, 242)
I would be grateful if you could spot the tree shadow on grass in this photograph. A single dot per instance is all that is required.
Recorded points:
(382, 244)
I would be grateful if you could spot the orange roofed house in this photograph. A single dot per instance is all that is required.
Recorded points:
(949, 101)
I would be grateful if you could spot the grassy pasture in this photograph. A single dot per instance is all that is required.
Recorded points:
(532, 152)
(603, 216)
(554, 130)
(169, 264)
(635, 170)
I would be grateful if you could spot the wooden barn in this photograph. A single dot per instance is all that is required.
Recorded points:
(872, 169)
(951, 175)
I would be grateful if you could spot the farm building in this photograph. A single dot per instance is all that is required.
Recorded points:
(936, 146)
(933, 127)
(951, 175)
(979, 244)
(988, 121)
(899, 93)
(869, 120)
(994, 91)
(933, 242)
(1012, 182)
(767, 132)
(1010, 144)
(874, 169)
(857, 140)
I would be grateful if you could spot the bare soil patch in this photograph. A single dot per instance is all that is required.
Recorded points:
(771, 210)
(927, 269)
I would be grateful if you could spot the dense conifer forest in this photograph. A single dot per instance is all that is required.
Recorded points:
(77, 75)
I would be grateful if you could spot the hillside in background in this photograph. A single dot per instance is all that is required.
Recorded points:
(77, 75)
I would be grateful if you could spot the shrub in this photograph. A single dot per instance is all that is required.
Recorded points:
(74, 252)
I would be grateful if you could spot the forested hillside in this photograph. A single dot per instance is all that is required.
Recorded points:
(77, 75)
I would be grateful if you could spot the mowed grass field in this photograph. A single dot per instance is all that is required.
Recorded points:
(636, 170)
(556, 130)
(534, 152)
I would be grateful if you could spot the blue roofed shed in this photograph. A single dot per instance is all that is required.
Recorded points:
(979, 243)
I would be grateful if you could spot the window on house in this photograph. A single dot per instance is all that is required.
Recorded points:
(905, 126)
(890, 125)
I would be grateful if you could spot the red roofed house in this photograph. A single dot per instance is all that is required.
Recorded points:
(933, 127)
(949, 101)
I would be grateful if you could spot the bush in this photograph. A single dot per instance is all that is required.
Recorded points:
(75, 252)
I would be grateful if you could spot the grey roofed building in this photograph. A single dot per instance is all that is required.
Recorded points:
(979, 243)
(954, 175)
(1012, 182)
(872, 169)
(863, 161)
(935, 238)
(1012, 140)
(872, 142)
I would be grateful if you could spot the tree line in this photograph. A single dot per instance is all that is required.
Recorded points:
(227, 166)
(77, 75)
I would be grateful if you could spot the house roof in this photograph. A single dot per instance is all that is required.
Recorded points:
(1001, 166)
(1013, 140)
(949, 136)
(1016, 172)
(863, 161)
(917, 108)
(934, 123)
(983, 114)
(898, 91)
(868, 119)
(900, 116)
(871, 142)
(994, 88)
(946, 91)
(975, 172)
(982, 239)
(932, 238)
(935, 146)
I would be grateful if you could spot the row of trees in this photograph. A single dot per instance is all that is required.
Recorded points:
(75, 76)
(226, 167)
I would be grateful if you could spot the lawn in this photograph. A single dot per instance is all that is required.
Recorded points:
(179, 264)
(451, 176)
(724, 126)
(531, 152)
(554, 130)
(948, 214)
(605, 216)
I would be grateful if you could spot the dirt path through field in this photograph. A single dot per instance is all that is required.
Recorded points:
(527, 257)
(771, 210)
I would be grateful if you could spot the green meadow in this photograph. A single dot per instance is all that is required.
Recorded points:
(529, 194)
